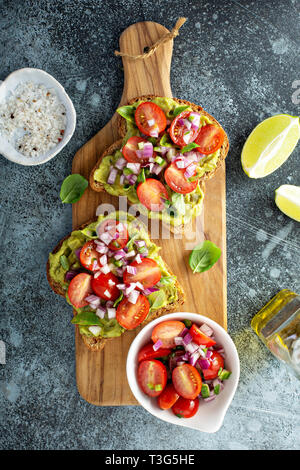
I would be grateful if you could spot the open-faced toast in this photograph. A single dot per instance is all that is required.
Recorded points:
(63, 259)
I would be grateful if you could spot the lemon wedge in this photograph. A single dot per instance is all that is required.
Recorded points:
(270, 144)
(287, 199)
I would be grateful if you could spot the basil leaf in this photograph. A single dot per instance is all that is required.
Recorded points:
(189, 147)
(157, 299)
(73, 188)
(64, 262)
(127, 112)
(86, 319)
(179, 110)
(204, 256)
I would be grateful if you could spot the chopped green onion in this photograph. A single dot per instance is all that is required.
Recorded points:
(220, 371)
(141, 178)
(187, 323)
(217, 389)
(64, 262)
(205, 391)
(118, 263)
(150, 386)
(225, 374)
(158, 388)
(159, 160)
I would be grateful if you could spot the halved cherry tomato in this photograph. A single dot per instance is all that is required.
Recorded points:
(176, 180)
(147, 352)
(105, 286)
(166, 331)
(179, 133)
(187, 381)
(151, 194)
(129, 150)
(216, 361)
(79, 288)
(199, 337)
(146, 112)
(210, 139)
(168, 397)
(88, 256)
(131, 315)
(114, 227)
(152, 377)
(148, 273)
(184, 408)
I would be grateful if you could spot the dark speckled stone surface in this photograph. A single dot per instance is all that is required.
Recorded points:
(239, 61)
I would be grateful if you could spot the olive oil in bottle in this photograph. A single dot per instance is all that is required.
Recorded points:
(277, 324)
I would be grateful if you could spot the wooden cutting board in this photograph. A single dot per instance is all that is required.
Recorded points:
(101, 377)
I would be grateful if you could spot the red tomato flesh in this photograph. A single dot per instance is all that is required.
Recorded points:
(152, 377)
(187, 381)
(147, 352)
(201, 338)
(176, 180)
(210, 139)
(112, 227)
(179, 133)
(184, 408)
(129, 150)
(149, 118)
(79, 288)
(168, 397)
(148, 273)
(216, 361)
(130, 315)
(151, 194)
(105, 286)
(89, 257)
(166, 331)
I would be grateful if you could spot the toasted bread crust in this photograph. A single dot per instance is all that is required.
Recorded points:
(96, 185)
(96, 344)
(121, 124)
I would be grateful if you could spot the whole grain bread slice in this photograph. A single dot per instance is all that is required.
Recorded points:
(121, 124)
(96, 344)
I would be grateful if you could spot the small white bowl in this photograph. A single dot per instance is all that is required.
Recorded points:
(210, 415)
(39, 77)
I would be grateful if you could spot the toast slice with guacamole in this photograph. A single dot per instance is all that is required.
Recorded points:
(168, 148)
(111, 273)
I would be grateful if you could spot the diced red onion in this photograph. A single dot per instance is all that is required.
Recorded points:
(107, 293)
(132, 179)
(97, 274)
(206, 330)
(103, 260)
(140, 243)
(139, 285)
(122, 179)
(180, 363)
(187, 339)
(157, 345)
(208, 354)
(111, 283)
(171, 153)
(112, 176)
(184, 332)
(133, 296)
(157, 169)
(130, 254)
(100, 312)
(111, 312)
(102, 249)
(151, 122)
(135, 167)
(130, 288)
(191, 347)
(138, 258)
(95, 265)
(204, 363)
(106, 238)
(150, 290)
(70, 275)
(131, 270)
(212, 397)
(120, 163)
(119, 272)
(190, 171)
(119, 254)
(92, 298)
(105, 269)
(153, 133)
(121, 286)
(178, 341)
(181, 122)
(187, 124)
(194, 357)
(180, 163)
(186, 137)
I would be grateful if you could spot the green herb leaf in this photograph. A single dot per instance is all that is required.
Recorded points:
(187, 323)
(73, 188)
(165, 141)
(157, 299)
(141, 178)
(179, 110)
(127, 112)
(64, 262)
(179, 415)
(204, 256)
(86, 319)
(189, 147)
(119, 299)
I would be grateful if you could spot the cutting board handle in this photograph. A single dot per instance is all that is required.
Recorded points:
(150, 76)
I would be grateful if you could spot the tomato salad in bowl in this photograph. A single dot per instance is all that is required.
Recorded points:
(183, 367)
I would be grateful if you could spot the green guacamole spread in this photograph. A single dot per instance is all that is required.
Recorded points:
(166, 294)
(183, 207)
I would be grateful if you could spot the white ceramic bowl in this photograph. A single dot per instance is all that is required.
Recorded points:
(210, 415)
(39, 77)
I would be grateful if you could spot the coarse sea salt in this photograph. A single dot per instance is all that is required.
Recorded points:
(33, 119)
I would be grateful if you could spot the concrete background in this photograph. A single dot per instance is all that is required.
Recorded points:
(239, 61)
